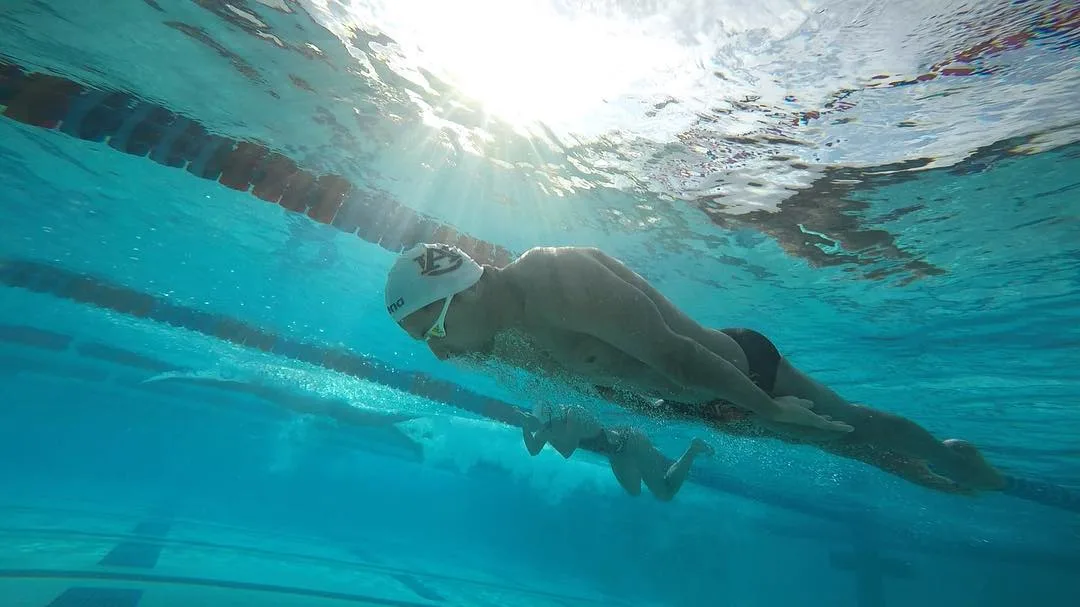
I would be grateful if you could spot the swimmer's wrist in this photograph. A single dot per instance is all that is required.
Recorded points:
(768, 407)
(781, 412)
(745, 393)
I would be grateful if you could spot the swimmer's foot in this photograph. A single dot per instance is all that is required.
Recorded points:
(980, 474)
(927, 477)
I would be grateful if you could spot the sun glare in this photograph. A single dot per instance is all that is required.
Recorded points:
(524, 61)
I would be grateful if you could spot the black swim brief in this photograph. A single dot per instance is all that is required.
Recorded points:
(763, 360)
(607, 442)
(761, 355)
(604, 442)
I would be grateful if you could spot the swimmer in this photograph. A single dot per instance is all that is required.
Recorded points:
(633, 458)
(582, 317)
(726, 418)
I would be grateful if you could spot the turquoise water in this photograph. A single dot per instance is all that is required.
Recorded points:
(205, 402)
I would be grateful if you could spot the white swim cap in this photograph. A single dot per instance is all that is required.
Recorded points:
(428, 273)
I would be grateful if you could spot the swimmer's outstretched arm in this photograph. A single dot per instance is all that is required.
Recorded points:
(586, 297)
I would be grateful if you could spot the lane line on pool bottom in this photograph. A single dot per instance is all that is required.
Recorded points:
(80, 596)
(88, 596)
(372, 565)
(143, 552)
(139, 552)
(418, 588)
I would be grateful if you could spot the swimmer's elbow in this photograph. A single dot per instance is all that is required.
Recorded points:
(690, 364)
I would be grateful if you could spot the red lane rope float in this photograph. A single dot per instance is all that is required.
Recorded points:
(133, 126)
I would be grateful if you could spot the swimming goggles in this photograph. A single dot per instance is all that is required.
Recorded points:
(439, 328)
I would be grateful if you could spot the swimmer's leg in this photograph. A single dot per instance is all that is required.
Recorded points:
(912, 470)
(676, 474)
(663, 477)
(627, 473)
(921, 474)
(889, 432)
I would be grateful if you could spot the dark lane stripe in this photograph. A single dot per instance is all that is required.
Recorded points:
(122, 357)
(49, 340)
(142, 553)
(421, 589)
(21, 364)
(97, 597)
(150, 578)
(38, 338)
(53, 280)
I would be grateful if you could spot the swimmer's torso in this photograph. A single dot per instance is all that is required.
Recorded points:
(584, 361)
(553, 280)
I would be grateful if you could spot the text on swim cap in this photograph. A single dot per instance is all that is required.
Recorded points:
(438, 260)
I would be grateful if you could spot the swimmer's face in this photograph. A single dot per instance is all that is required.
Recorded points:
(420, 322)
(466, 332)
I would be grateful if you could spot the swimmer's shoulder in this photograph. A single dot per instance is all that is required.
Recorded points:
(543, 272)
(542, 268)
(538, 256)
(529, 266)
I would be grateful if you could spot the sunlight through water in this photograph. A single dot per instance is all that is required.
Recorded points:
(573, 65)
(733, 99)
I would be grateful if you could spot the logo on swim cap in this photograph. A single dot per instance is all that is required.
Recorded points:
(438, 259)
(425, 274)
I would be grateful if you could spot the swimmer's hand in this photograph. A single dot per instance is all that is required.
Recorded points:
(700, 447)
(795, 410)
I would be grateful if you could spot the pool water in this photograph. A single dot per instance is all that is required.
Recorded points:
(205, 402)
